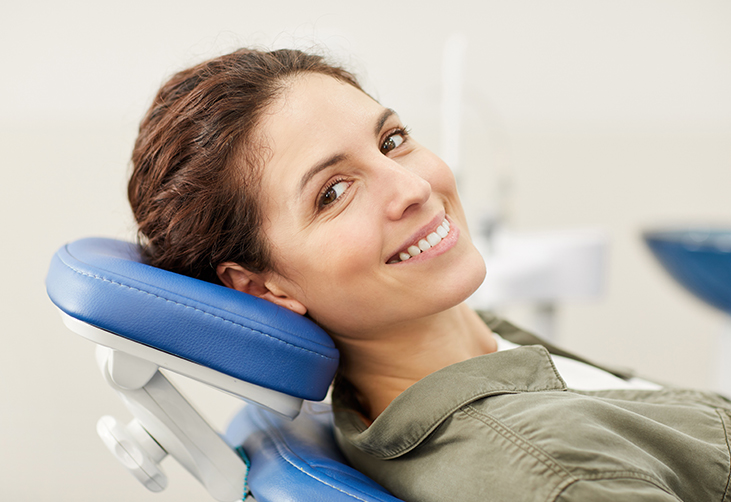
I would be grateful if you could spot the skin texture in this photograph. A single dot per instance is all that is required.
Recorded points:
(344, 189)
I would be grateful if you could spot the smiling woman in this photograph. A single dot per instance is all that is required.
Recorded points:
(345, 184)
(273, 173)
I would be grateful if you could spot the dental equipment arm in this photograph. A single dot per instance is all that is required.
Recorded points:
(165, 423)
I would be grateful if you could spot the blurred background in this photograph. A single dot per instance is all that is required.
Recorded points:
(577, 114)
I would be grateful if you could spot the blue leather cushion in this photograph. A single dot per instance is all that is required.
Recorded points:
(104, 282)
(298, 461)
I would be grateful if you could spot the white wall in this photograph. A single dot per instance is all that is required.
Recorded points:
(612, 114)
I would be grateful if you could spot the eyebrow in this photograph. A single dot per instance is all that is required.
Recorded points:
(339, 157)
(382, 120)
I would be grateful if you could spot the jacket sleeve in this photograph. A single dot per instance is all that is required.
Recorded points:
(611, 490)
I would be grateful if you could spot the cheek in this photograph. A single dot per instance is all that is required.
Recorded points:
(444, 176)
(433, 169)
(336, 280)
(330, 259)
(348, 249)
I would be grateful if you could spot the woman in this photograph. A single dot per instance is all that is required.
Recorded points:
(276, 175)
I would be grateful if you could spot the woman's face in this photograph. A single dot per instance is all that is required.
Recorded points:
(346, 194)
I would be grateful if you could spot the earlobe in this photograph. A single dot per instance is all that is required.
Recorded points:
(288, 303)
(234, 276)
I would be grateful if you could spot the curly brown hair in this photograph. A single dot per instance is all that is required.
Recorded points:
(196, 163)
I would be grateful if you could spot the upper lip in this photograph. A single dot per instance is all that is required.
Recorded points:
(419, 234)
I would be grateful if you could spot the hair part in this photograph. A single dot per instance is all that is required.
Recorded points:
(196, 163)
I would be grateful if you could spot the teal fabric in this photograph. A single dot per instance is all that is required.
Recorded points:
(505, 427)
(242, 453)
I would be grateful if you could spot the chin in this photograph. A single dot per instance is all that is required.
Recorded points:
(464, 280)
(476, 279)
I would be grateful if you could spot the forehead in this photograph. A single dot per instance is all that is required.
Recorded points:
(315, 118)
(314, 115)
(312, 96)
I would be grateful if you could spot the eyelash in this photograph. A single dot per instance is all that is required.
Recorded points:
(320, 199)
(402, 131)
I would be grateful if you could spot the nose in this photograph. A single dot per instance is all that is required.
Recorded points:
(406, 190)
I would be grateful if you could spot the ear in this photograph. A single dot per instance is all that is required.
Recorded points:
(236, 277)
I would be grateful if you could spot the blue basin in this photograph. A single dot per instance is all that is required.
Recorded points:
(700, 260)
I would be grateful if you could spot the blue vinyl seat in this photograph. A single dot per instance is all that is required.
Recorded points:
(145, 319)
(293, 461)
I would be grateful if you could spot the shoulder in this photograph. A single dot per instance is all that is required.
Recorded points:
(565, 446)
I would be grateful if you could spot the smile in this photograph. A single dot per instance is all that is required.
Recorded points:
(423, 244)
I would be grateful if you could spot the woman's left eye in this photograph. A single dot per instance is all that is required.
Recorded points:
(393, 141)
(332, 192)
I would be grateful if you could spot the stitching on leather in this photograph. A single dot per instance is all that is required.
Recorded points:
(320, 480)
(282, 448)
(94, 276)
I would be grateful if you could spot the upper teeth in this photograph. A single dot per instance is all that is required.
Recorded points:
(427, 242)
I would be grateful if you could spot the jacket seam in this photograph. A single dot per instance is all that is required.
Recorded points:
(567, 478)
(519, 441)
(639, 476)
(104, 279)
(437, 423)
(728, 449)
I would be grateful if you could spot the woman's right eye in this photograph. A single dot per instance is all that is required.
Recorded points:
(332, 192)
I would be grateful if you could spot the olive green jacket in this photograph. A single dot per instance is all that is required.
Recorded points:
(505, 427)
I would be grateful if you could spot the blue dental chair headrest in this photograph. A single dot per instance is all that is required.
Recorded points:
(105, 283)
(104, 286)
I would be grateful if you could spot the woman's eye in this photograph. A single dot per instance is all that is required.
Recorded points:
(332, 193)
(393, 141)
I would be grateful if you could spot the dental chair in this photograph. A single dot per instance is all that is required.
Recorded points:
(278, 448)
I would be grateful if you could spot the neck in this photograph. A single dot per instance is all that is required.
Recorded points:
(383, 366)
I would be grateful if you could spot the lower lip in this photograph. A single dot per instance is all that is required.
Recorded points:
(442, 246)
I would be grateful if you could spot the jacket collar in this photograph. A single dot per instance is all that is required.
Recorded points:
(519, 336)
(407, 421)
